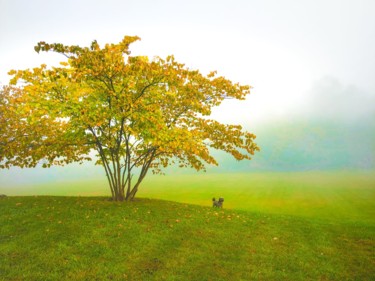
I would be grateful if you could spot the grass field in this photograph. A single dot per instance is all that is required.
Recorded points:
(326, 195)
(334, 195)
(275, 226)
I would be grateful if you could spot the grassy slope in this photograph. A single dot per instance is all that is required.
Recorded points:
(288, 226)
(73, 238)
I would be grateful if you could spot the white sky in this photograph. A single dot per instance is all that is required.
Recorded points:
(299, 55)
(281, 48)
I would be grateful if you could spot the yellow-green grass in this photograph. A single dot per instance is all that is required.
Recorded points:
(274, 226)
(90, 238)
(344, 195)
(327, 195)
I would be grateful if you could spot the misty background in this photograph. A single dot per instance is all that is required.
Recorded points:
(311, 65)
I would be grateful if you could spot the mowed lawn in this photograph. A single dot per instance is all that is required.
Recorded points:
(343, 195)
(276, 226)
(346, 195)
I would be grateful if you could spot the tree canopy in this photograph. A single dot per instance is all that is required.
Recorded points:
(137, 114)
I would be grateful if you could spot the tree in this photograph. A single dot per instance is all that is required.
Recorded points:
(137, 114)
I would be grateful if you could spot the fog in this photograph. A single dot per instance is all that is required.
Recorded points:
(331, 100)
(309, 62)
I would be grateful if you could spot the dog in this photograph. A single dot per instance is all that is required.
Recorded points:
(217, 203)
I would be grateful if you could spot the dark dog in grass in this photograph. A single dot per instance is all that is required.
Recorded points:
(2, 196)
(217, 203)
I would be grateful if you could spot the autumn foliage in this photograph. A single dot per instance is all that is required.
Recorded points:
(137, 114)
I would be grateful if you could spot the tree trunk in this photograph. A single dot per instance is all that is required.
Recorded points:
(120, 178)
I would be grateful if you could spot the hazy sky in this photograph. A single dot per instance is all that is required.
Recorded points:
(284, 49)
(303, 57)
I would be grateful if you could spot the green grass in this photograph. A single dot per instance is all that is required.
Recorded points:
(82, 238)
(334, 195)
(327, 195)
(274, 226)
